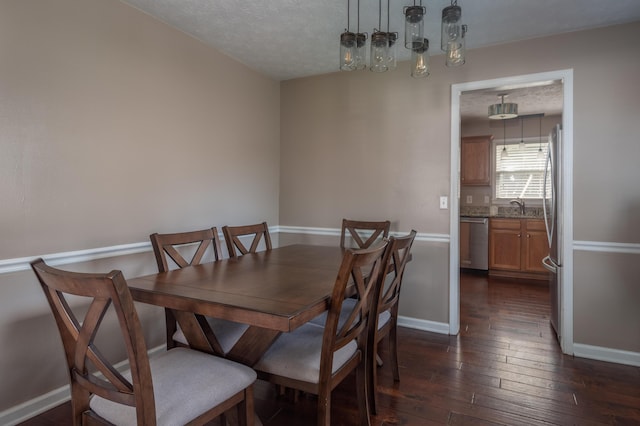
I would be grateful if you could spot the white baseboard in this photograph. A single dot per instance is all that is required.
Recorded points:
(28, 409)
(606, 354)
(424, 325)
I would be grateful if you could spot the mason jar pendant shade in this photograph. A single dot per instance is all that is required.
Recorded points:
(379, 52)
(451, 30)
(347, 51)
(392, 39)
(361, 51)
(413, 26)
(420, 60)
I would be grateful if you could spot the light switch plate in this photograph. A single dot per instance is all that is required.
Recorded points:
(443, 202)
(486, 199)
(469, 199)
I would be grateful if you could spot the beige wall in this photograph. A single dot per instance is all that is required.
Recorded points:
(377, 146)
(113, 126)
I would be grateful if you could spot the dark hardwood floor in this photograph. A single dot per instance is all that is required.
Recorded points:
(504, 368)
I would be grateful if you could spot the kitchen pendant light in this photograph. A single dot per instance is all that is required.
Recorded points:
(348, 46)
(503, 111)
(420, 60)
(540, 153)
(504, 153)
(414, 25)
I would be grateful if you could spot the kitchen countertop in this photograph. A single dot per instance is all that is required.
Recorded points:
(503, 212)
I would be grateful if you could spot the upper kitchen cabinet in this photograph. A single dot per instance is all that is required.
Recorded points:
(475, 160)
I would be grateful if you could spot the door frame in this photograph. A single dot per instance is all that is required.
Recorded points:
(566, 237)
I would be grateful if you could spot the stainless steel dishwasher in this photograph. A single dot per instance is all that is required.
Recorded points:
(474, 242)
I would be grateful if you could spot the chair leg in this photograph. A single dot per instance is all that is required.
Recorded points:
(324, 407)
(393, 349)
(363, 392)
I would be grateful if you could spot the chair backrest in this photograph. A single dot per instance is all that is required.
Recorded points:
(360, 270)
(232, 236)
(104, 292)
(166, 245)
(364, 233)
(396, 258)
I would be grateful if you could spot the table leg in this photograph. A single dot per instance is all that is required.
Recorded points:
(198, 333)
(252, 345)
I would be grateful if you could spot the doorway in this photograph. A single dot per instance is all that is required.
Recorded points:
(566, 237)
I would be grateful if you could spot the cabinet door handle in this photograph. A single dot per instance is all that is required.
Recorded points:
(519, 235)
(528, 236)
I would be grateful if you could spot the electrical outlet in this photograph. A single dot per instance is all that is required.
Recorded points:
(486, 199)
(469, 199)
(443, 202)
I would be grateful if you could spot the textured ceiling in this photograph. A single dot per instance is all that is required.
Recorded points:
(541, 98)
(285, 39)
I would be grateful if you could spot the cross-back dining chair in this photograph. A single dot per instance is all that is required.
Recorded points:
(223, 334)
(386, 322)
(177, 387)
(316, 359)
(363, 233)
(232, 234)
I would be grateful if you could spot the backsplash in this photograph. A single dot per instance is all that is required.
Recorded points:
(481, 211)
(497, 211)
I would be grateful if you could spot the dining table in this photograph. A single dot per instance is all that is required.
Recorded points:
(273, 291)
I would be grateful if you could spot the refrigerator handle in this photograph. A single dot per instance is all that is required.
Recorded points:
(549, 265)
(549, 168)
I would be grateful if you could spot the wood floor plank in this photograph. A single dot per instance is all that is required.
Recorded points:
(504, 368)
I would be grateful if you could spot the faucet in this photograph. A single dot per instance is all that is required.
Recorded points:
(520, 203)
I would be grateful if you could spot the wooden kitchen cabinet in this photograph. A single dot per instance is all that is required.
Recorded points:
(517, 247)
(475, 160)
(536, 245)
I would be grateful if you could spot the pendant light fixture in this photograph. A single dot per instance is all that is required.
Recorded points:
(348, 46)
(414, 25)
(504, 153)
(452, 35)
(503, 111)
(420, 60)
(392, 38)
(361, 45)
(379, 46)
(540, 154)
(383, 44)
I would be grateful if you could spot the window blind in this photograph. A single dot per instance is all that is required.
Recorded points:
(520, 174)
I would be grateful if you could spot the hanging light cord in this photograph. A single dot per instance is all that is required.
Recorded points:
(540, 134)
(348, 12)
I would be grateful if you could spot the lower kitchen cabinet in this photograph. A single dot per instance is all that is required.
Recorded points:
(517, 247)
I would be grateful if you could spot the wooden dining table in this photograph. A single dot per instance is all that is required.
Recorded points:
(272, 291)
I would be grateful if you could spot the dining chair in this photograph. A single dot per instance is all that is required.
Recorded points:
(387, 295)
(223, 334)
(232, 235)
(316, 359)
(177, 387)
(386, 322)
(363, 233)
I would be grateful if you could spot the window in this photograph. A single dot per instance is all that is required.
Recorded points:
(520, 173)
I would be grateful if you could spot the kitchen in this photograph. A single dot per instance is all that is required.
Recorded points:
(502, 179)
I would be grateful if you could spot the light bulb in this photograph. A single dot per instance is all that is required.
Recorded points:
(455, 54)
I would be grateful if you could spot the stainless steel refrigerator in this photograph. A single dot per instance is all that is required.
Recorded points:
(552, 199)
